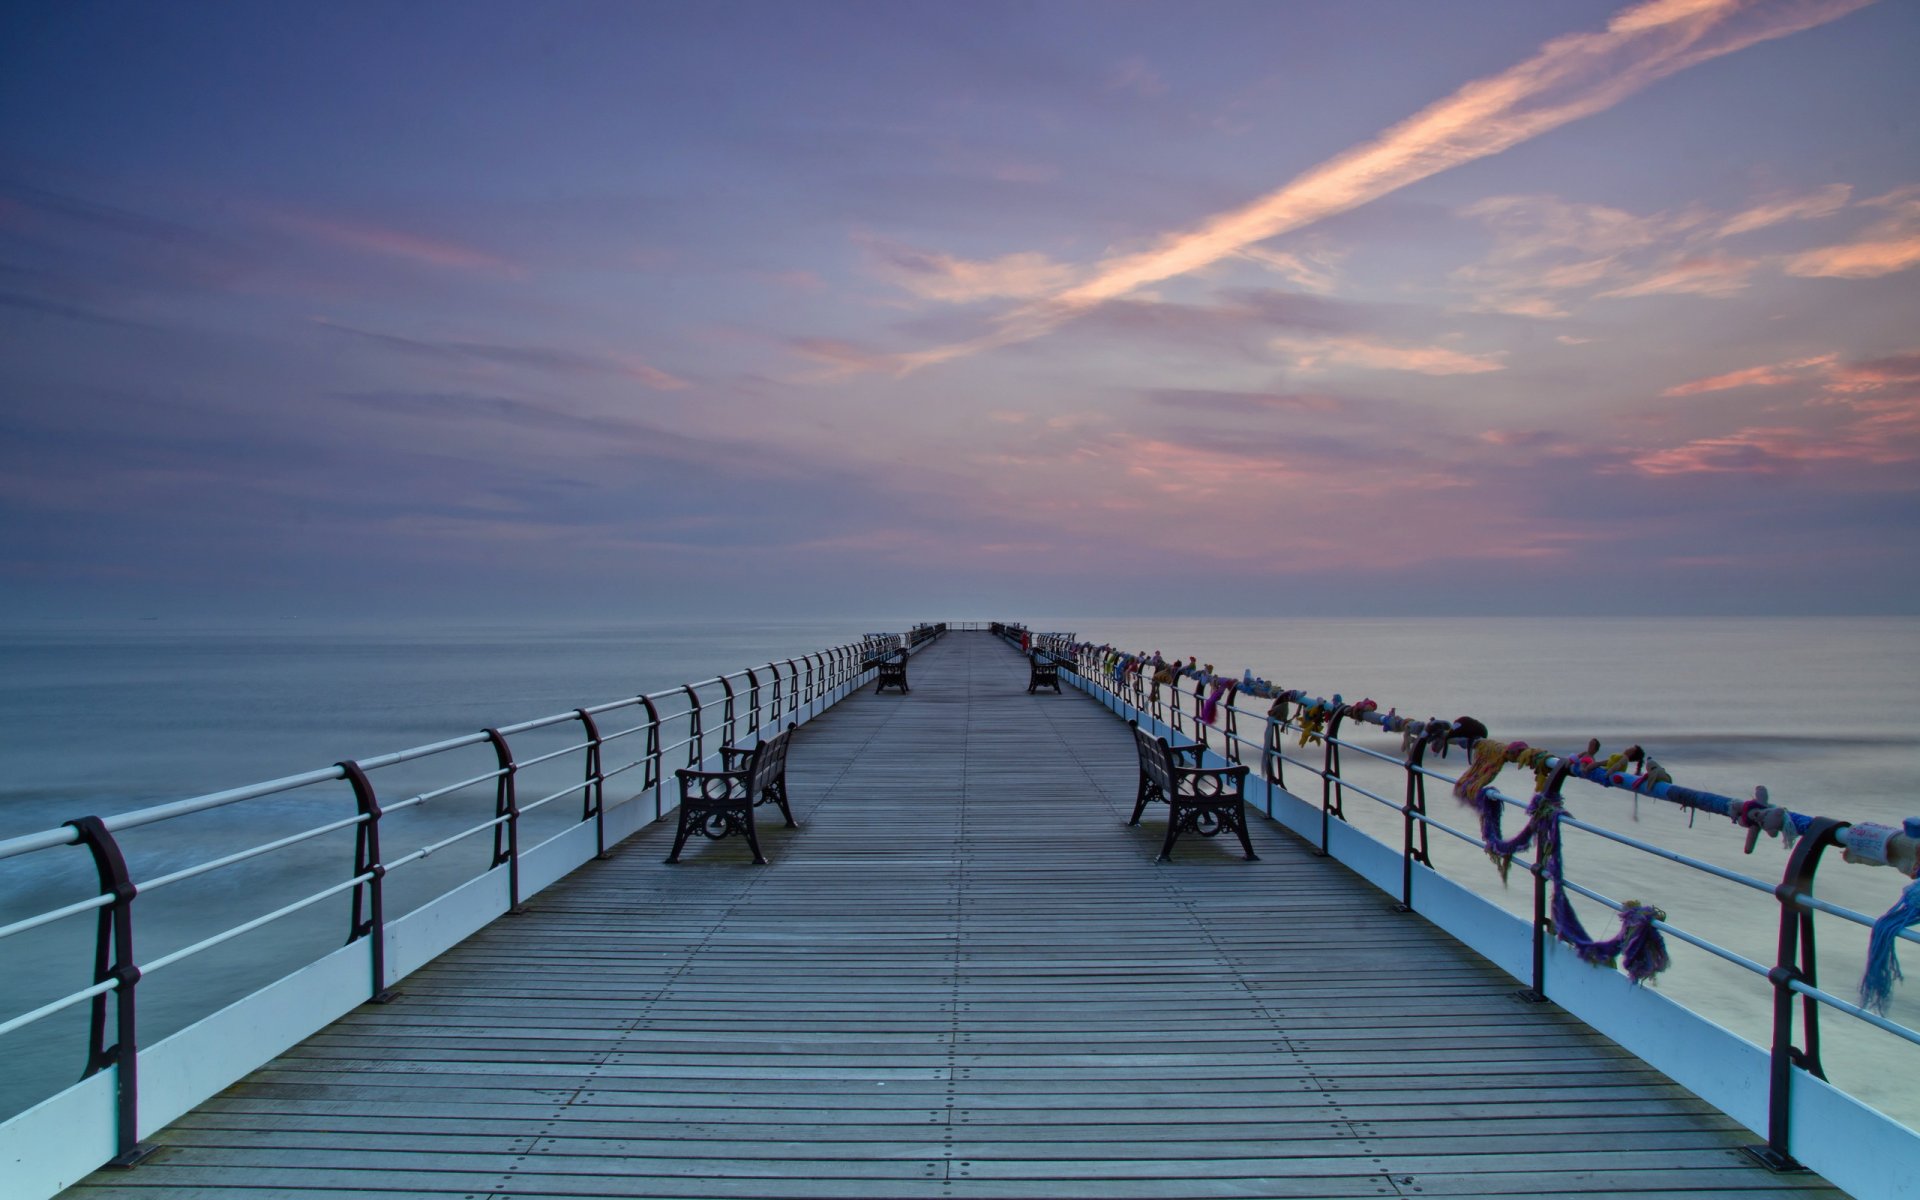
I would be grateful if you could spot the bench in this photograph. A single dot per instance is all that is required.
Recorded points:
(893, 673)
(717, 804)
(1045, 673)
(1208, 801)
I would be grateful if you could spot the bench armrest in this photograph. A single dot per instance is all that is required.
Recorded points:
(1211, 780)
(688, 774)
(734, 758)
(1194, 752)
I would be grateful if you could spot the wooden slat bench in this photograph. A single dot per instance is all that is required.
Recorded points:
(1044, 671)
(893, 673)
(717, 804)
(1208, 801)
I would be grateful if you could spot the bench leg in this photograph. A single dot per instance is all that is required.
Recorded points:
(753, 842)
(1173, 831)
(1246, 843)
(679, 836)
(777, 792)
(1140, 800)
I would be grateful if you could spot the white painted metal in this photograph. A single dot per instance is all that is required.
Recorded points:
(1856, 1147)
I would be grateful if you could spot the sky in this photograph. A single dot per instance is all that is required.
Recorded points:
(962, 309)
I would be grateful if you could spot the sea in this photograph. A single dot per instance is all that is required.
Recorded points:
(102, 717)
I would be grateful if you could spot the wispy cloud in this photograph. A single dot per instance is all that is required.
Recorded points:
(961, 281)
(1771, 375)
(1568, 78)
(1137, 77)
(1318, 354)
(539, 358)
(1546, 247)
(1863, 413)
(1693, 275)
(386, 241)
(1821, 203)
(1882, 248)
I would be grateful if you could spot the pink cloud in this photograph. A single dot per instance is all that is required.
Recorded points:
(1314, 354)
(1768, 376)
(1823, 203)
(1886, 246)
(390, 243)
(1570, 77)
(1771, 450)
(961, 281)
(1699, 275)
(842, 358)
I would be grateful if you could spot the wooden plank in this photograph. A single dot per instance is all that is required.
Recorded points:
(963, 976)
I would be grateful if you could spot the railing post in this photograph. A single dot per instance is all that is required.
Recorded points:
(1413, 825)
(726, 711)
(113, 960)
(1537, 993)
(650, 775)
(1273, 763)
(1230, 723)
(1332, 793)
(696, 729)
(594, 795)
(506, 836)
(793, 692)
(753, 702)
(367, 861)
(773, 702)
(1795, 964)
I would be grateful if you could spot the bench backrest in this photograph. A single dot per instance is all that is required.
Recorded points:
(769, 762)
(1156, 761)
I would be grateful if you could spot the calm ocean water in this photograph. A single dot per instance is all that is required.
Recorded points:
(102, 718)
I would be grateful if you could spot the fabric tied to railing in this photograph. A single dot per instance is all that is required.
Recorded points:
(1883, 965)
(1638, 948)
(1211, 708)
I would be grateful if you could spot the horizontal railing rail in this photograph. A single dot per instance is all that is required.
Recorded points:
(650, 734)
(1188, 702)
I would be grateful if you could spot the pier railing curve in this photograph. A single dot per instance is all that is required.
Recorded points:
(128, 1088)
(1779, 1089)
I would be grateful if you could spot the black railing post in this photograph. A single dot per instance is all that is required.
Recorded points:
(1537, 993)
(1230, 723)
(1794, 964)
(594, 794)
(696, 729)
(506, 834)
(773, 702)
(1273, 763)
(1332, 792)
(1413, 823)
(369, 920)
(753, 702)
(650, 775)
(726, 712)
(793, 692)
(113, 960)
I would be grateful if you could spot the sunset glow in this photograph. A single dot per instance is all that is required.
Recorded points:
(1350, 305)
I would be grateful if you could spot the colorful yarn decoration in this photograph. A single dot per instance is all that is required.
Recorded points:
(1883, 964)
(1638, 948)
(1212, 706)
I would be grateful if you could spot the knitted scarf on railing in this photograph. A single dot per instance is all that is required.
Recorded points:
(1883, 966)
(1638, 948)
(1211, 708)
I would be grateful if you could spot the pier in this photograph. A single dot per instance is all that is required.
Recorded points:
(963, 975)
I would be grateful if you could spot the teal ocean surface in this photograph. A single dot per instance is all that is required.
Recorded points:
(97, 718)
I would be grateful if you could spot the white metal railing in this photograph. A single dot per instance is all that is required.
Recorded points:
(597, 743)
(1191, 705)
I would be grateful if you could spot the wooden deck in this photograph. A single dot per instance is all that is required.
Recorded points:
(961, 977)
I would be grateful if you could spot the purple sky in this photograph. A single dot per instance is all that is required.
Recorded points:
(1375, 306)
